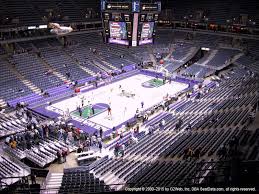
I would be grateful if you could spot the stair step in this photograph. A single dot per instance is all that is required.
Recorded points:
(108, 64)
(100, 66)
(25, 81)
(57, 173)
(51, 192)
(53, 182)
(87, 70)
(53, 186)
(56, 178)
(2, 103)
(59, 75)
(81, 67)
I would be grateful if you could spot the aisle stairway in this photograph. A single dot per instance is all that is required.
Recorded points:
(2, 103)
(53, 183)
(171, 50)
(191, 53)
(25, 81)
(211, 55)
(80, 66)
(59, 75)
(100, 66)
(109, 65)
(151, 55)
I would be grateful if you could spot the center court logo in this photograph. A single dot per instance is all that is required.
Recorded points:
(153, 83)
(147, 85)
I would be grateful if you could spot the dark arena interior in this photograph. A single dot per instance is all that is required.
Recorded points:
(129, 95)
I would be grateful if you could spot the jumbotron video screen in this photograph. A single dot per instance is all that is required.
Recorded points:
(118, 33)
(147, 33)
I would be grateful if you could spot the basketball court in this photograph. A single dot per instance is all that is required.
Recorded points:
(123, 107)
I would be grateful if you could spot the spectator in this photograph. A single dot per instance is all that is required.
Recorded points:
(59, 155)
(137, 112)
(100, 146)
(151, 129)
(116, 149)
(164, 80)
(80, 149)
(80, 111)
(189, 127)
(162, 124)
(142, 104)
(70, 137)
(64, 155)
(13, 144)
(197, 153)
(145, 117)
(94, 140)
(190, 153)
(101, 132)
(113, 129)
(65, 135)
(86, 145)
(60, 133)
(122, 150)
(186, 153)
(121, 135)
(41, 133)
(99, 139)
(7, 140)
(136, 129)
(92, 107)
(23, 143)
(33, 178)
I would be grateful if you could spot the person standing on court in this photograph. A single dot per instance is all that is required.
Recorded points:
(80, 111)
(92, 107)
(142, 104)
(109, 110)
(82, 102)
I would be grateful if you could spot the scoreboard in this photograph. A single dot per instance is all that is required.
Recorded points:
(130, 23)
(147, 31)
(118, 33)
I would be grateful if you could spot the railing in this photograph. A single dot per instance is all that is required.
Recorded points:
(13, 179)
(18, 162)
(92, 30)
(218, 33)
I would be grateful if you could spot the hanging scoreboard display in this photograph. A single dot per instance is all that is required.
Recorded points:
(118, 33)
(129, 23)
(146, 34)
